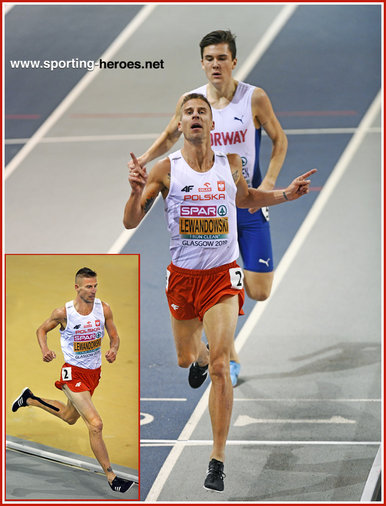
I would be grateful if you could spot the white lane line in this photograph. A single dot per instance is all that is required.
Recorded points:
(263, 44)
(121, 241)
(280, 272)
(158, 399)
(77, 90)
(207, 442)
(151, 136)
(311, 218)
(244, 420)
(126, 235)
(373, 482)
(176, 451)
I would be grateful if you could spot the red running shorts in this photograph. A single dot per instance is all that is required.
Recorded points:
(192, 292)
(78, 379)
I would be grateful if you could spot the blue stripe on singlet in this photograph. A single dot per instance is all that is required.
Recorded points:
(256, 178)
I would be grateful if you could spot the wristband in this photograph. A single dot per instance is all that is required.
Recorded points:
(285, 196)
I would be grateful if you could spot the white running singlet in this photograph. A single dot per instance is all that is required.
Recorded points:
(81, 340)
(235, 132)
(201, 214)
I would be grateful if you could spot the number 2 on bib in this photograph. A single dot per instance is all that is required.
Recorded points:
(237, 275)
(66, 374)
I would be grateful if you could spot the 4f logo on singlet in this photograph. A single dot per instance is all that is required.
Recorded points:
(187, 188)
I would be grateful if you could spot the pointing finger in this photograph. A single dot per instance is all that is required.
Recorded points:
(134, 158)
(307, 174)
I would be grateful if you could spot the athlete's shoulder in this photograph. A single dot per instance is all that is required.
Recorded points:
(107, 311)
(221, 158)
(246, 86)
(160, 168)
(105, 305)
(234, 160)
(60, 313)
(176, 155)
(259, 96)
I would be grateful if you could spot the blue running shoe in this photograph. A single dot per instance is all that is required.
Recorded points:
(235, 371)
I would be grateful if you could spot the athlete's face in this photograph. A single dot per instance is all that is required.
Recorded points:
(196, 120)
(86, 289)
(218, 63)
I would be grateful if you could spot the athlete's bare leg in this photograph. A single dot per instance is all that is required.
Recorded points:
(67, 413)
(189, 346)
(220, 325)
(84, 405)
(258, 285)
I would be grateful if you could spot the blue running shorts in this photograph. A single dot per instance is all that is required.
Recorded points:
(254, 241)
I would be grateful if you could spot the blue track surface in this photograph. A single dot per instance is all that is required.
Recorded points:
(55, 32)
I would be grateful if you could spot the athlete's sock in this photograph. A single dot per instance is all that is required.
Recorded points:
(44, 403)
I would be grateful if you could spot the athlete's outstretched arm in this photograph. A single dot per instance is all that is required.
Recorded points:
(144, 190)
(257, 197)
(112, 332)
(165, 141)
(58, 317)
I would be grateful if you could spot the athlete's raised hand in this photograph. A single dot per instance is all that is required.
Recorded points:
(137, 174)
(132, 163)
(299, 186)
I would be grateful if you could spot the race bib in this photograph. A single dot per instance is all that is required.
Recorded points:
(66, 373)
(265, 212)
(237, 275)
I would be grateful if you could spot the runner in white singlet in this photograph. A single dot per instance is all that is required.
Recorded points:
(82, 324)
(206, 289)
(203, 228)
(240, 111)
(81, 339)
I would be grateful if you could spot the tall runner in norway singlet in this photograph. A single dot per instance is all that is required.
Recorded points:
(234, 132)
(201, 214)
(81, 340)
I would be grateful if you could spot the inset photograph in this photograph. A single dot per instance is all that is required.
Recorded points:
(72, 377)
